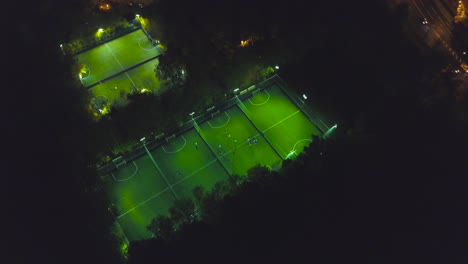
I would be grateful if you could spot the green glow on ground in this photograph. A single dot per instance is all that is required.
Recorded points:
(189, 160)
(119, 54)
(124, 250)
(142, 77)
(232, 130)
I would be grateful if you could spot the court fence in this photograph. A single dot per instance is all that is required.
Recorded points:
(80, 46)
(152, 142)
(305, 109)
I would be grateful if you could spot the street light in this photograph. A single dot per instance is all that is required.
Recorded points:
(191, 114)
(101, 30)
(277, 67)
(236, 90)
(142, 139)
(304, 96)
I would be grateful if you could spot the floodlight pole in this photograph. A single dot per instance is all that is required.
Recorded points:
(61, 48)
(235, 91)
(142, 140)
(329, 131)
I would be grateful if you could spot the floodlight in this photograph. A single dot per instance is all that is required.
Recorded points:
(101, 30)
(61, 45)
(304, 96)
(137, 15)
(277, 67)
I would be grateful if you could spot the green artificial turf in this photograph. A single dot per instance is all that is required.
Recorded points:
(207, 154)
(228, 135)
(115, 56)
(135, 187)
(118, 87)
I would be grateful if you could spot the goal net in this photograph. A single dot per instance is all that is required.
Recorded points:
(119, 162)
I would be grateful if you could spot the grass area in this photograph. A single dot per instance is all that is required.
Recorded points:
(229, 143)
(119, 54)
(139, 78)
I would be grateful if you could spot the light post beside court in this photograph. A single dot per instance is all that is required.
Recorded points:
(61, 48)
(235, 92)
(142, 140)
(329, 131)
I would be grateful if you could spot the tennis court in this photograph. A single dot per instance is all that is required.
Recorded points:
(115, 56)
(264, 130)
(141, 78)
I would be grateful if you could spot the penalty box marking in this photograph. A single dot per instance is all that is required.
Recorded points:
(139, 44)
(128, 178)
(172, 152)
(268, 99)
(229, 119)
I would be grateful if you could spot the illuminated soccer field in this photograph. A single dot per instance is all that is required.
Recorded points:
(238, 143)
(115, 56)
(263, 130)
(139, 78)
(138, 193)
(282, 123)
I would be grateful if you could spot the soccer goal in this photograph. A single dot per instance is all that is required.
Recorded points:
(119, 162)
(215, 114)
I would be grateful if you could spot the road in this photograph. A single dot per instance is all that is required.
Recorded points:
(435, 18)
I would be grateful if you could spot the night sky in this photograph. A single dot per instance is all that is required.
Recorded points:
(394, 189)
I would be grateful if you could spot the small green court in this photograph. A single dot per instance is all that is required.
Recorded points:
(115, 56)
(237, 142)
(281, 122)
(187, 162)
(140, 79)
(134, 187)
(264, 129)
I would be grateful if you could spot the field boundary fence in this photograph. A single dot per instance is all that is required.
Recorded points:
(90, 44)
(299, 103)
